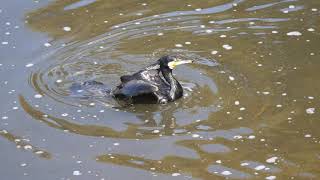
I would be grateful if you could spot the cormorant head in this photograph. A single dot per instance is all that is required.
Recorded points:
(171, 61)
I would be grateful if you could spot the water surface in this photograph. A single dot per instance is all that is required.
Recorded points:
(251, 99)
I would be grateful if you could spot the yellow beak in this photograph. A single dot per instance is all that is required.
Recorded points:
(177, 62)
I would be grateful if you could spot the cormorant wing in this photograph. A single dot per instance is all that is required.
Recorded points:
(136, 87)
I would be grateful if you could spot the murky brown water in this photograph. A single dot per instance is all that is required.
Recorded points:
(251, 104)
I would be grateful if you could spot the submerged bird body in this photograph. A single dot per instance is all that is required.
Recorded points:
(153, 84)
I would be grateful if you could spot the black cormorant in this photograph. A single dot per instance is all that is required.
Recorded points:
(153, 84)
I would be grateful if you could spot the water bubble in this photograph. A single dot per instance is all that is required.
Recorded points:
(231, 78)
(307, 135)
(175, 174)
(47, 44)
(38, 96)
(272, 160)
(4, 131)
(29, 65)
(294, 33)
(64, 114)
(39, 152)
(27, 147)
(77, 173)
(227, 47)
(237, 137)
(271, 177)
(226, 173)
(310, 110)
(214, 52)
(244, 164)
(155, 131)
(260, 167)
(291, 7)
(195, 135)
(67, 28)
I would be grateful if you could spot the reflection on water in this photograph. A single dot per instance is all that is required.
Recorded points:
(250, 105)
(22, 143)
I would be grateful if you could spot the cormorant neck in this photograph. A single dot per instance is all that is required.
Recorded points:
(175, 87)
